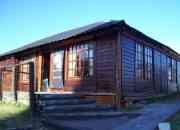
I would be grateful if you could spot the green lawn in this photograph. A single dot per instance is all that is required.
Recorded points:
(13, 115)
(175, 121)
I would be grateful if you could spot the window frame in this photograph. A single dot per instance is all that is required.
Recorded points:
(172, 69)
(85, 52)
(24, 73)
(143, 62)
(148, 63)
(139, 62)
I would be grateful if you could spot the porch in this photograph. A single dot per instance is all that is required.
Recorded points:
(18, 84)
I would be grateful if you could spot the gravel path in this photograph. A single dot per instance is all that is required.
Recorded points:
(151, 115)
(96, 124)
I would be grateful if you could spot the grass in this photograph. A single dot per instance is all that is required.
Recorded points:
(175, 121)
(13, 115)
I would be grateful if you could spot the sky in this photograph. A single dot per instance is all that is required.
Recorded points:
(25, 21)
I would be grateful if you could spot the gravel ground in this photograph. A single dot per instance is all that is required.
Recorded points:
(151, 115)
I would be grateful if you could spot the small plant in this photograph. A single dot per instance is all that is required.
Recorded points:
(13, 115)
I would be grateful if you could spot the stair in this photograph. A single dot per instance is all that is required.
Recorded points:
(60, 107)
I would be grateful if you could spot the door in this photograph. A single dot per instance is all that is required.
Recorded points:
(57, 73)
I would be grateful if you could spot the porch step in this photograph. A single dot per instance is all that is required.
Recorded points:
(86, 115)
(68, 102)
(68, 107)
(98, 120)
(59, 96)
(77, 108)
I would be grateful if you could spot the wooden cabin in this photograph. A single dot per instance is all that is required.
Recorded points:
(102, 60)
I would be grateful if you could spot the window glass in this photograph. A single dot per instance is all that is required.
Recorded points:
(139, 61)
(148, 63)
(81, 65)
(143, 62)
(57, 69)
(169, 69)
(174, 70)
(24, 72)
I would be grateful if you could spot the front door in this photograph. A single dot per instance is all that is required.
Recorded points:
(57, 67)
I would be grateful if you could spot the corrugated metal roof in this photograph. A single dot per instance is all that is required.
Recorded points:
(56, 37)
(74, 32)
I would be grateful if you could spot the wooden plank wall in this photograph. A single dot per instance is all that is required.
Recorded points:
(105, 64)
(128, 66)
(104, 70)
(141, 88)
(158, 71)
(178, 75)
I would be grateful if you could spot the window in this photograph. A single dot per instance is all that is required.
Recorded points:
(172, 70)
(143, 62)
(24, 72)
(169, 62)
(148, 63)
(139, 61)
(81, 60)
(57, 69)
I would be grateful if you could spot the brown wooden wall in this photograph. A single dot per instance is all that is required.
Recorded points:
(103, 79)
(6, 73)
(105, 63)
(160, 72)
(6, 80)
(132, 87)
(128, 65)
(24, 85)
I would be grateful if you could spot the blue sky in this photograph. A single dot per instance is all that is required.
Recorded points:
(25, 21)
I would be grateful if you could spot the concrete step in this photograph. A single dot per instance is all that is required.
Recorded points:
(58, 96)
(85, 115)
(76, 108)
(68, 102)
(55, 125)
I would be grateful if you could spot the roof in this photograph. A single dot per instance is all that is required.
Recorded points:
(79, 31)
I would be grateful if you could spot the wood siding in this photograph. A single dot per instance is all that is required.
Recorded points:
(128, 66)
(103, 79)
(105, 64)
(110, 49)
(133, 87)
(6, 73)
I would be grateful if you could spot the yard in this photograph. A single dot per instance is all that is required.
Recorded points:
(13, 115)
(175, 121)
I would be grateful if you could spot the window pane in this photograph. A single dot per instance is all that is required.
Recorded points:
(70, 73)
(82, 58)
(139, 61)
(90, 71)
(70, 65)
(91, 46)
(91, 62)
(74, 56)
(70, 57)
(91, 53)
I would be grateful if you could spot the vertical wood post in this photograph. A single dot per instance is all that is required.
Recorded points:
(1, 85)
(118, 69)
(38, 72)
(153, 69)
(31, 86)
(65, 64)
(14, 82)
